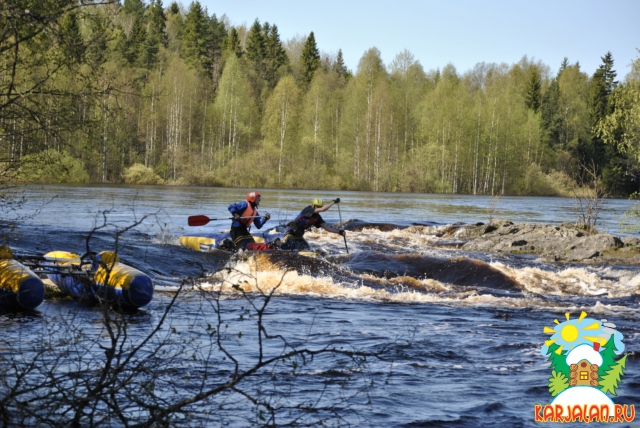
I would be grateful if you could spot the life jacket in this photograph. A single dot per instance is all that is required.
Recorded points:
(302, 223)
(248, 212)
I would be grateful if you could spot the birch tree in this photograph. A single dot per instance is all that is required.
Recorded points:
(371, 72)
(320, 115)
(279, 131)
(574, 112)
(235, 112)
(409, 83)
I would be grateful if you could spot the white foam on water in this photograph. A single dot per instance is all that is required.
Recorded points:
(257, 274)
(572, 281)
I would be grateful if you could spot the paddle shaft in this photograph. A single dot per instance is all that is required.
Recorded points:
(201, 220)
(344, 236)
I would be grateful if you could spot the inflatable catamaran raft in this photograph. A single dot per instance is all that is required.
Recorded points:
(211, 242)
(20, 287)
(95, 278)
(207, 242)
(106, 279)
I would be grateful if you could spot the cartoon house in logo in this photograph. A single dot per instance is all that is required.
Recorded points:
(586, 362)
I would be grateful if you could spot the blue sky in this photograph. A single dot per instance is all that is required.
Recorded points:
(461, 32)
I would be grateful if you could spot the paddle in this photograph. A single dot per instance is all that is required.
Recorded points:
(201, 220)
(344, 235)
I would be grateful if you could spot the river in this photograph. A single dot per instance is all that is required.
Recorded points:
(457, 336)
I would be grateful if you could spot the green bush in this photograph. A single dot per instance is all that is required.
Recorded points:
(537, 183)
(560, 183)
(140, 174)
(52, 167)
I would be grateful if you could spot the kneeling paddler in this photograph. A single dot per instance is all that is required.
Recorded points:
(308, 217)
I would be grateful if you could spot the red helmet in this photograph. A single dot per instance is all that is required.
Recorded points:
(251, 196)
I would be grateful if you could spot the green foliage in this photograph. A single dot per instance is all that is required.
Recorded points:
(52, 167)
(172, 89)
(537, 183)
(140, 174)
(558, 382)
(609, 382)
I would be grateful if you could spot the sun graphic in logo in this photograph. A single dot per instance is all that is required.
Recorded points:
(571, 333)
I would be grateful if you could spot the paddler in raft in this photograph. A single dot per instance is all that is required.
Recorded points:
(310, 216)
(245, 213)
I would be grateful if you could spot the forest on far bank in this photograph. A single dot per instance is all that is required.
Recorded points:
(107, 91)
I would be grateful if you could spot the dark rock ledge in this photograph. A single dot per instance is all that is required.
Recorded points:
(560, 243)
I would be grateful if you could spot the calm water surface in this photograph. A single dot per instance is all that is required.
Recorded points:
(461, 333)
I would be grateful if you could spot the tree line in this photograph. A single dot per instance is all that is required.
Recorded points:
(111, 92)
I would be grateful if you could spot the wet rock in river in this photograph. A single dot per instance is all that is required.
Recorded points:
(566, 242)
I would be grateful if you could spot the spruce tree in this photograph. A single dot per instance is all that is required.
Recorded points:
(218, 38)
(71, 38)
(195, 40)
(532, 97)
(218, 32)
(339, 66)
(255, 53)
(609, 73)
(99, 32)
(598, 96)
(276, 56)
(609, 382)
(158, 22)
(310, 60)
(232, 43)
(602, 85)
(255, 50)
(551, 118)
(564, 65)
(174, 9)
(276, 50)
(608, 354)
(266, 29)
(558, 361)
(148, 55)
(621, 128)
(135, 40)
(134, 7)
